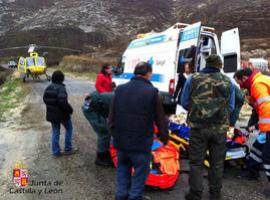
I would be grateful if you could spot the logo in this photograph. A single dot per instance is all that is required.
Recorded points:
(20, 175)
(151, 61)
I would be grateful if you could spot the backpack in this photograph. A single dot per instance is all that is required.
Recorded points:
(209, 98)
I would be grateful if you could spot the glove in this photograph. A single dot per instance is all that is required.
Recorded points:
(164, 139)
(251, 128)
(261, 138)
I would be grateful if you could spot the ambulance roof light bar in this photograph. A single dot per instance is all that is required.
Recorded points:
(208, 29)
(180, 25)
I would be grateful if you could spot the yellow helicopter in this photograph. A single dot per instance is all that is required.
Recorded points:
(34, 65)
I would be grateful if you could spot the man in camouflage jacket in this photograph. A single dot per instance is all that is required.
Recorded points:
(209, 98)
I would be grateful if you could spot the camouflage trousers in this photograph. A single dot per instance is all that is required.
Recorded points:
(201, 141)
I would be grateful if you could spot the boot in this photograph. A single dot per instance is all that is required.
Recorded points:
(103, 159)
(266, 191)
(193, 196)
(249, 175)
(215, 196)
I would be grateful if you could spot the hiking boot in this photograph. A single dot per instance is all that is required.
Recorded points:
(266, 193)
(192, 196)
(249, 175)
(104, 159)
(71, 152)
(146, 198)
(57, 155)
(215, 196)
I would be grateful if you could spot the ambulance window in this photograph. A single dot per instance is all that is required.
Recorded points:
(205, 41)
(186, 55)
(120, 66)
(230, 63)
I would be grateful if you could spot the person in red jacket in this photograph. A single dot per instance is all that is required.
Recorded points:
(104, 79)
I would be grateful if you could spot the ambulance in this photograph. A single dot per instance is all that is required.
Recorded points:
(168, 51)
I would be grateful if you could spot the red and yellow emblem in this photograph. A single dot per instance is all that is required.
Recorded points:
(20, 175)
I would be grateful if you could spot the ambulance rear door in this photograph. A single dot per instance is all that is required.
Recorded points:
(230, 51)
(188, 46)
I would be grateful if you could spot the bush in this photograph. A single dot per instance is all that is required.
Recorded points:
(85, 63)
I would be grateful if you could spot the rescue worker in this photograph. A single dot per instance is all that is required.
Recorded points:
(135, 108)
(104, 79)
(58, 112)
(209, 97)
(96, 110)
(258, 86)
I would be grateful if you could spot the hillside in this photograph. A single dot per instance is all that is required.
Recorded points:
(86, 24)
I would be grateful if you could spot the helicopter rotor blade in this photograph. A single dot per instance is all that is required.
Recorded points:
(14, 48)
(60, 48)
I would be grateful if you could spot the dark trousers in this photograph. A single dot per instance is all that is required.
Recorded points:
(260, 154)
(100, 126)
(202, 140)
(130, 185)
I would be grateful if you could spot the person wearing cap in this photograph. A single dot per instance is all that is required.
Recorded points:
(135, 108)
(209, 97)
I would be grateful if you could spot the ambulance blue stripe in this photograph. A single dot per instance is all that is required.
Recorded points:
(155, 77)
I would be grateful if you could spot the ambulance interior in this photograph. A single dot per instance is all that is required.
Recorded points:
(206, 47)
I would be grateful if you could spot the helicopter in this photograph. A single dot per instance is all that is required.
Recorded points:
(34, 65)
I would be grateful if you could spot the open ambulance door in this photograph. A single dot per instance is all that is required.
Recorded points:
(230, 51)
(188, 43)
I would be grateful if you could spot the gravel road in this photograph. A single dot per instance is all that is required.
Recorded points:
(26, 139)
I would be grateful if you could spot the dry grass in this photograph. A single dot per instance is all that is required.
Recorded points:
(85, 63)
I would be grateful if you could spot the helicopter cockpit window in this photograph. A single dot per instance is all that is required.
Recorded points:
(30, 61)
(40, 61)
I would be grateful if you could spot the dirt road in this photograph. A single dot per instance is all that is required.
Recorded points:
(26, 139)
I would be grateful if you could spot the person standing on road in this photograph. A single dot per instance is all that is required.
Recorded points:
(58, 112)
(209, 98)
(258, 86)
(104, 79)
(134, 110)
(96, 110)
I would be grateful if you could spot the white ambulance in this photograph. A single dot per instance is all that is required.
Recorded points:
(167, 52)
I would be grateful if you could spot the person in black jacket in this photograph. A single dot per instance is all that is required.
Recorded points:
(58, 112)
(182, 77)
(135, 108)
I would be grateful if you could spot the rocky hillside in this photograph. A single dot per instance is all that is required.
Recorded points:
(90, 23)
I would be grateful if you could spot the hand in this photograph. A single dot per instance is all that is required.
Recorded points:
(251, 128)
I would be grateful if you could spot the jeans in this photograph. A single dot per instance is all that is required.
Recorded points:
(202, 140)
(56, 136)
(100, 126)
(130, 185)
